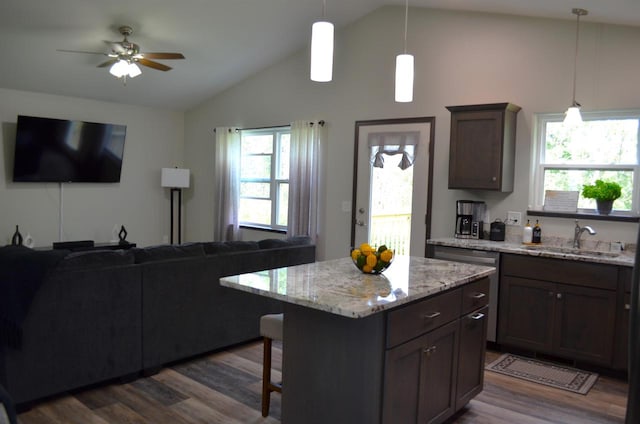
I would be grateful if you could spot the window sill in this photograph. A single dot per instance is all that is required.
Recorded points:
(614, 216)
(265, 229)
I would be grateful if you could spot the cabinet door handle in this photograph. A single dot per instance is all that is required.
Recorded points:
(494, 179)
(477, 316)
(559, 296)
(432, 315)
(429, 350)
(478, 295)
(627, 306)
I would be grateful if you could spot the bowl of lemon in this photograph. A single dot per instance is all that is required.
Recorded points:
(372, 260)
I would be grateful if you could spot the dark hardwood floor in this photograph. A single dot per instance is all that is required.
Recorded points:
(225, 388)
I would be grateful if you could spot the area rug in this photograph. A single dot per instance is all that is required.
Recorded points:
(571, 379)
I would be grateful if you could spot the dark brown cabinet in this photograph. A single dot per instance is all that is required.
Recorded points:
(430, 377)
(482, 146)
(563, 308)
(621, 351)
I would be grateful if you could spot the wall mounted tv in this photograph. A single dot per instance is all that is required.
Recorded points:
(57, 150)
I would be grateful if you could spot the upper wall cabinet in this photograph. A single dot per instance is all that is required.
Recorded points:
(482, 147)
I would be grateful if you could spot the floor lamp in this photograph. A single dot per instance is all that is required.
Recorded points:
(176, 179)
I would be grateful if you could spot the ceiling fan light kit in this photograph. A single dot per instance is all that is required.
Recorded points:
(122, 68)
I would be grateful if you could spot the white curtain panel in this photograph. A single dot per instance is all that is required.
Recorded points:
(306, 140)
(226, 184)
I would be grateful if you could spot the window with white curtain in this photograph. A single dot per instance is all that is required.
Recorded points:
(264, 178)
(604, 146)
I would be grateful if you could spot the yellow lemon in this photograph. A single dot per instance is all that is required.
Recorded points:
(366, 249)
(354, 254)
(386, 255)
(367, 269)
(372, 260)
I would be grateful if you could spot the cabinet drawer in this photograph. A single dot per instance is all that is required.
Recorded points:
(475, 295)
(561, 271)
(413, 320)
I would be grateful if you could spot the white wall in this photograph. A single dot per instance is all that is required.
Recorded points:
(461, 58)
(154, 140)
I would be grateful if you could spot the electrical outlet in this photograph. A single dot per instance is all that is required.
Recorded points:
(514, 218)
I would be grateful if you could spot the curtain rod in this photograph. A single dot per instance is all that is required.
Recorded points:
(321, 123)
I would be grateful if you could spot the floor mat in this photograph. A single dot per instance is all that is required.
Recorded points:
(571, 379)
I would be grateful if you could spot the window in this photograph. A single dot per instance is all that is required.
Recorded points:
(264, 178)
(604, 147)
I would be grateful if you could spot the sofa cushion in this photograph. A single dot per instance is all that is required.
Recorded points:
(96, 259)
(241, 246)
(273, 243)
(215, 247)
(163, 252)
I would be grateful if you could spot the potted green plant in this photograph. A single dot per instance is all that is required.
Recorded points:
(605, 192)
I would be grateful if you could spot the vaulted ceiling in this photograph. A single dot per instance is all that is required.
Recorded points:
(223, 41)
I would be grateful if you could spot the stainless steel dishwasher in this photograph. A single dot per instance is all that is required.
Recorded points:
(477, 257)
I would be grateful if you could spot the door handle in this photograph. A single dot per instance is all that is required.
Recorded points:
(360, 223)
(478, 296)
(559, 296)
(429, 350)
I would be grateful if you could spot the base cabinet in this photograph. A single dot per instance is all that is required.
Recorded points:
(417, 363)
(570, 313)
(429, 378)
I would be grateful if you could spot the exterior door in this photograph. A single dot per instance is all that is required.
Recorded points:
(391, 200)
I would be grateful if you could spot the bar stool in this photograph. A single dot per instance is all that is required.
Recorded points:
(270, 329)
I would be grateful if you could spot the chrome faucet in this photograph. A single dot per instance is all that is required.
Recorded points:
(578, 232)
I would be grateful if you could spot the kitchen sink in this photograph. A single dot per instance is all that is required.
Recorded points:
(573, 251)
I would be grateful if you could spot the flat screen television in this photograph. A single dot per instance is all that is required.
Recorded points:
(58, 150)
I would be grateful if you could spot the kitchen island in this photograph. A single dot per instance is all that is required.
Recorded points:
(405, 346)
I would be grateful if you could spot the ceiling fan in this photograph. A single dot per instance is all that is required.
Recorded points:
(125, 55)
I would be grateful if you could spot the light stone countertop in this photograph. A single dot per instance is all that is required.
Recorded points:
(338, 287)
(548, 250)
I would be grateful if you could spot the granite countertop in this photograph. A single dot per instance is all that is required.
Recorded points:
(338, 287)
(549, 250)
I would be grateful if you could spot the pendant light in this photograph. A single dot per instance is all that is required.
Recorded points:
(572, 116)
(404, 67)
(322, 49)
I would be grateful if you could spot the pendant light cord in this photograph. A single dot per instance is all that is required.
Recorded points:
(575, 59)
(578, 13)
(406, 21)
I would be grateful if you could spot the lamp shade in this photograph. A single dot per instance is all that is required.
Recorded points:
(322, 51)
(404, 78)
(119, 69)
(175, 178)
(572, 116)
(134, 70)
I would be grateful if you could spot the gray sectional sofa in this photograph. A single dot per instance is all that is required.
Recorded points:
(100, 315)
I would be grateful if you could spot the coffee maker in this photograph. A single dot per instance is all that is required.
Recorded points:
(469, 219)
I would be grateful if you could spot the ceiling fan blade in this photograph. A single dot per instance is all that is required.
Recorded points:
(80, 51)
(154, 65)
(163, 55)
(108, 63)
